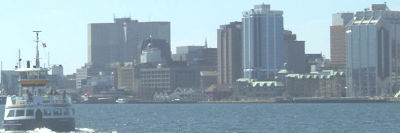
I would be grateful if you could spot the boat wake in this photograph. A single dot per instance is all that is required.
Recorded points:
(46, 130)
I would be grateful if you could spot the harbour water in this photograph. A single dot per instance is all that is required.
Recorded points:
(232, 118)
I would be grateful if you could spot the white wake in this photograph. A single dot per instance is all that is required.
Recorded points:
(46, 130)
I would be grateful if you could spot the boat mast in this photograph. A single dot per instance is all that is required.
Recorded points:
(37, 49)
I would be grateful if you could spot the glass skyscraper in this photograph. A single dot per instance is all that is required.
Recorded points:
(373, 52)
(263, 46)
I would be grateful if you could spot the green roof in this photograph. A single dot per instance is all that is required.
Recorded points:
(245, 80)
(321, 75)
(266, 83)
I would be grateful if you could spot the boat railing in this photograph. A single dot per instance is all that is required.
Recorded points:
(25, 79)
(47, 99)
(56, 99)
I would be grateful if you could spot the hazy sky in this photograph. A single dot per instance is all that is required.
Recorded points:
(64, 23)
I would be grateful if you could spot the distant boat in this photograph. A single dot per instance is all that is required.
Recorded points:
(121, 100)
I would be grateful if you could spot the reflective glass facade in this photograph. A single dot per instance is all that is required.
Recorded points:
(372, 47)
(263, 49)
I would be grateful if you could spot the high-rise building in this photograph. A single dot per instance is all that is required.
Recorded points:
(373, 52)
(263, 46)
(155, 51)
(128, 78)
(196, 55)
(338, 43)
(9, 82)
(57, 70)
(229, 53)
(341, 18)
(294, 53)
(120, 41)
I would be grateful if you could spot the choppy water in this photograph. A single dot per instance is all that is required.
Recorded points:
(231, 118)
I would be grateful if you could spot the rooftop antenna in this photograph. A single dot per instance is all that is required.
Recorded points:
(205, 43)
(37, 49)
(48, 59)
(19, 58)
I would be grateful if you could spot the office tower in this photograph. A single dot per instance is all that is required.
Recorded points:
(373, 52)
(9, 82)
(155, 51)
(229, 51)
(196, 55)
(263, 46)
(294, 53)
(57, 70)
(338, 43)
(120, 41)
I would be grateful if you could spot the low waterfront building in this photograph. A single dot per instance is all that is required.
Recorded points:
(207, 78)
(326, 83)
(180, 94)
(164, 79)
(251, 88)
(128, 78)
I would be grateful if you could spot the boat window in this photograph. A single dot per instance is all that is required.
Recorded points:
(47, 112)
(33, 75)
(19, 113)
(29, 112)
(66, 111)
(57, 112)
(11, 113)
(23, 75)
(43, 74)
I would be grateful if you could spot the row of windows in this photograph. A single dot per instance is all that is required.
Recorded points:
(46, 112)
(33, 75)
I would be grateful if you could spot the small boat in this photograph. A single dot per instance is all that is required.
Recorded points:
(121, 100)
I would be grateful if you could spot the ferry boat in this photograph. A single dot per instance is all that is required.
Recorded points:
(36, 105)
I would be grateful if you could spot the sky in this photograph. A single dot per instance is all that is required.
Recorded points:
(64, 23)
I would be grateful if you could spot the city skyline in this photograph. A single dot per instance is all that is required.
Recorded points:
(65, 24)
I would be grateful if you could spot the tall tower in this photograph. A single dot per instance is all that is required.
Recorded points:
(229, 50)
(120, 41)
(373, 52)
(263, 46)
(337, 39)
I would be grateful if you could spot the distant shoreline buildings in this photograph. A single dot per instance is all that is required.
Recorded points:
(255, 58)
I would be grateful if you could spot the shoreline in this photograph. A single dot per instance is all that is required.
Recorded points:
(278, 100)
